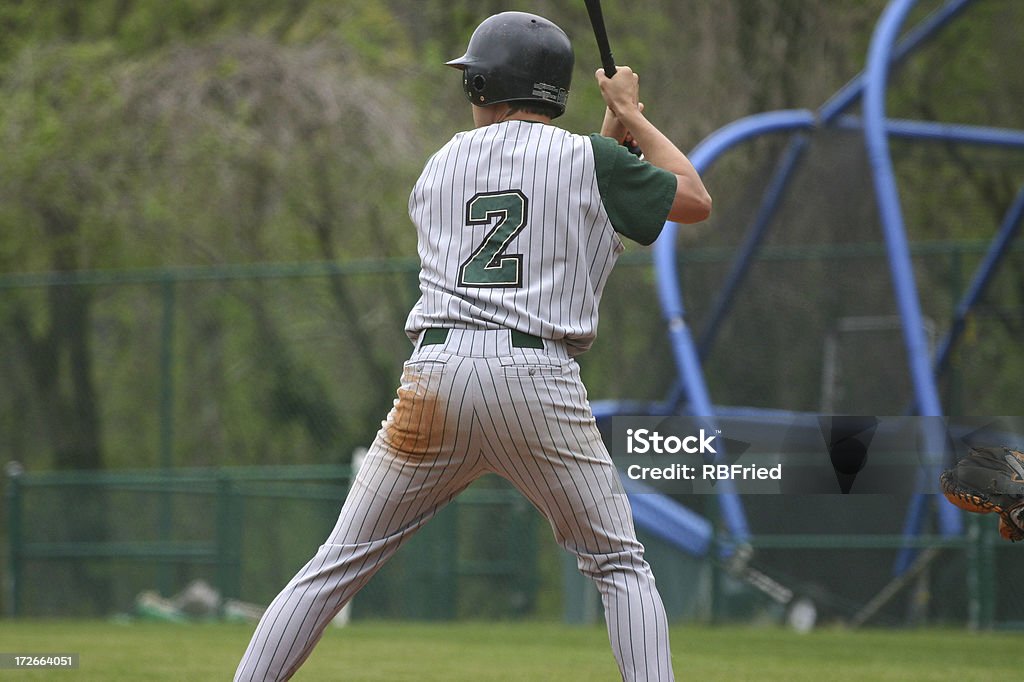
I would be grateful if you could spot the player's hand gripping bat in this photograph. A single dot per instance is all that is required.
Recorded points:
(607, 60)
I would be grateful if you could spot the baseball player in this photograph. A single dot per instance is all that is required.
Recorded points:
(519, 224)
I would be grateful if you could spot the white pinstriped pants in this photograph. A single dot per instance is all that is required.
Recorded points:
(470, 406)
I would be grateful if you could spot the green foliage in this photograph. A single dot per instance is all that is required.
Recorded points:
(57, 98)
(227, 133)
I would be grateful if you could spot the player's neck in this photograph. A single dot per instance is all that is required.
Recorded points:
(485, 116)
(515, 115)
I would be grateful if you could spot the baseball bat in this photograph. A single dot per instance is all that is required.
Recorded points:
(601, 33)
(605, 49)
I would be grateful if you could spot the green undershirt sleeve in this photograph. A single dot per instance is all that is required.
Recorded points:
(637, 195)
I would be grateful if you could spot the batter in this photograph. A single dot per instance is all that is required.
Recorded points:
(519, 225)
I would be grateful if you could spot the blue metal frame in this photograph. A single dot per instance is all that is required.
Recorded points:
(901, 268)
(889, 208)
(691, 391)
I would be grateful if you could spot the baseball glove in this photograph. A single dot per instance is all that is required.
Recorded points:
(990, 481)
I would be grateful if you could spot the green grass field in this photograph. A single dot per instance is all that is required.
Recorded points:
(524, 651)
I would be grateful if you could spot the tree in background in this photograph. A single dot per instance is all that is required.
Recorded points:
(171, 134)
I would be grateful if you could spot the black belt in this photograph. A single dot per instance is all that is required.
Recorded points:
(437, 335)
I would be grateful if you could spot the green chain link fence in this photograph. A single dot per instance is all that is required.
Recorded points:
(228, 400)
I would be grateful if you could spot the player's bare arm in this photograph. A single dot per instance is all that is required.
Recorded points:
(613, 128)
(692, 202)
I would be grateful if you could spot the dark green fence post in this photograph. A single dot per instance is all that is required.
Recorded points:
(168, 296)
(167, 290)
(972, 548)
(981, 584)
(446, 606)
(579, 594)
(225, 554)
(987, 574)
(14, 471)
(526, 578)
(717, 610)
(236, 518)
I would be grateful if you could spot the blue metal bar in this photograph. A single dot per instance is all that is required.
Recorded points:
(942, 132)
(983, 275)
(914, 38)
(685, 353)
(728, 136)
(900, 265)
(890, 211)
(606, 409)
(755, 235)
(692, 376)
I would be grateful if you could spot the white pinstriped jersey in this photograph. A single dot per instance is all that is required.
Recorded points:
(517, 228)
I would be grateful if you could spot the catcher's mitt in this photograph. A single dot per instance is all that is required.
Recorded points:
(990, 480)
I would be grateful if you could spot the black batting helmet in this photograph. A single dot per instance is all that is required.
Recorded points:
(517, 56)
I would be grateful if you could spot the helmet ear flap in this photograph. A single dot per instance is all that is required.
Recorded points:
(473, 84)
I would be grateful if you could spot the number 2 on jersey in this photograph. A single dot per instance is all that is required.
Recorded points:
(489, 266)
